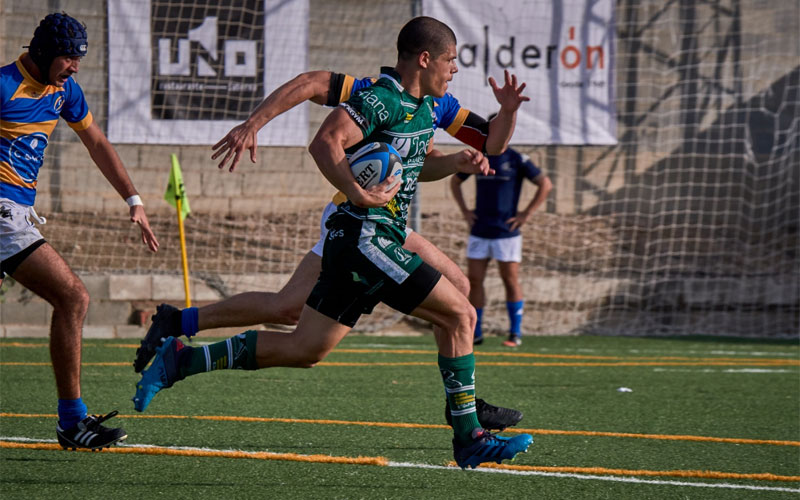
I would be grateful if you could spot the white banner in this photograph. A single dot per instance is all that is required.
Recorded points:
(562, 50)
(187, 71)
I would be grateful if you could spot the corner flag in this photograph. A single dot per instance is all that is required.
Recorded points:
(176, 190)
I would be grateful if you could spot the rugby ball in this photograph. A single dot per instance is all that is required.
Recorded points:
(374, 162)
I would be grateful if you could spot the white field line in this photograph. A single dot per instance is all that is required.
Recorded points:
(411, 465)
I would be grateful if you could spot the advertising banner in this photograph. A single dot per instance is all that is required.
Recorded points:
(563, 51)
(186, 72)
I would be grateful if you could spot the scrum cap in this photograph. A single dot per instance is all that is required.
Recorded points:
(57, 35)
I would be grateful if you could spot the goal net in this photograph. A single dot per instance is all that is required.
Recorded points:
(685, 222)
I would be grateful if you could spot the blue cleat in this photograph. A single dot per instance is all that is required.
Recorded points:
(163, 372)
(487, 447)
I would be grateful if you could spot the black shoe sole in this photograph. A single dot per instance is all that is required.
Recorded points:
(70, 446)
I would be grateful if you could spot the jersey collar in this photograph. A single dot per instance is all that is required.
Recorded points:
(393, 76)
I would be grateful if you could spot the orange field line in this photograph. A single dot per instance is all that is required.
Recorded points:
(225, 418)
(260, 455)
(750, 360)
(383, 462)
(702, 474)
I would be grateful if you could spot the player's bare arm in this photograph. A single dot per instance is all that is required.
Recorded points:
(458, 195)
(312, 85)
(544, 185)
(107, 160)
(439, 165)
(338, 132)
(510, 98)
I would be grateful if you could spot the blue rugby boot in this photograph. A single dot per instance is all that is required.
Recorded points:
(487, 447)
(166, 322)
(163, 372)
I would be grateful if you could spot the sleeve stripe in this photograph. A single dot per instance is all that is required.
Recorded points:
(347, 88)
(458, 121)
(83, 124)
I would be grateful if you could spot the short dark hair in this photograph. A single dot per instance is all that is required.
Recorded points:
(424, 34)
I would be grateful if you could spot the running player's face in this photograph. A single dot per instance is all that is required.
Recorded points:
(441, 70)
(62, 68)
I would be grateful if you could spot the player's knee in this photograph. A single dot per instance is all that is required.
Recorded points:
(289, 315)
(308, 359)
(304, 355)
(462, 318)
(287, 308)
(72, 298)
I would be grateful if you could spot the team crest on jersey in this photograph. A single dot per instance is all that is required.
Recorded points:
(384, 242)
(402, 145)
(58, 104)
(401, 255)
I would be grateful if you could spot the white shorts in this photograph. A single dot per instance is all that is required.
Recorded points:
(17, 231)
(499, 249)
(323, 231)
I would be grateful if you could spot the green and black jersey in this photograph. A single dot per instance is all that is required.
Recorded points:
(385, 112)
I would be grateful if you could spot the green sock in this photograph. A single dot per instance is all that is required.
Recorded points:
(459, 384)
(235, 353)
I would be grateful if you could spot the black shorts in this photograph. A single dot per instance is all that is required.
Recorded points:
(362, 265)
(8, 266)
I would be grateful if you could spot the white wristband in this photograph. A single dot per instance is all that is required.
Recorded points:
(134, 200)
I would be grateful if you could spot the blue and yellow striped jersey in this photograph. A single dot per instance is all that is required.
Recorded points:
(29, 112)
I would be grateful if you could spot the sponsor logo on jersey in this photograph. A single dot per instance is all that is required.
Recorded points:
(356, 115)
(377, 105)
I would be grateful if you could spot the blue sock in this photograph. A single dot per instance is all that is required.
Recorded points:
(515, 317)
(70, 412)
(189, 321)
(478, 331)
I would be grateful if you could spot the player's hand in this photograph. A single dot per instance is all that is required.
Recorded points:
(470, 161)
(469, 217)
(517, 221)
(510, 95)
(148, 238)
(378, 195)
(241, 137)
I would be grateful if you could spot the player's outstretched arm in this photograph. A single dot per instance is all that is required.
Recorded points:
(312, 85)
(439, 165)
(510, 98)
(107, 160)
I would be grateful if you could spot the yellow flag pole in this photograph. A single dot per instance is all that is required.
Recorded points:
(183, 254)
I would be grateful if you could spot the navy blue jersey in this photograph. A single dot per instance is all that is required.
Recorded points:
(497, 195)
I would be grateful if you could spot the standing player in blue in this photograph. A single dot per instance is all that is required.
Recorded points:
(363, 259)
(35, 91)
(494, 231)
(285, 306)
